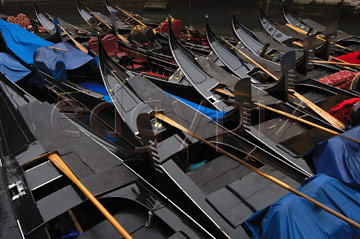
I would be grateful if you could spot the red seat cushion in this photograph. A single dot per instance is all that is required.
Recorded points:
(110, 44)
(134, 66)
(352, 57)
(342, 111)
(177, 27)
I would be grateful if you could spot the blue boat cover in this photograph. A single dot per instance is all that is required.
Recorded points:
(13, 69)
(338, 157)
(22, 42)
(294, 217)
(213, 114)
(72, 57)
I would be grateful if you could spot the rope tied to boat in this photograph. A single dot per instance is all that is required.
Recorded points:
(150, 218)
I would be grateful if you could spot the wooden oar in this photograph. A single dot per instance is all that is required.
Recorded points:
(318, 37)
(250, 59)
(60, 164)
(97, 17)
(256, 170)
(290, 116)
(305, 122)
(346, 67)
(58, 49)
(336, 63)
(113, 22)
(325, 115)
(329, 118)
(81, 47)
(131, 16)
(137, 20)
(224, 92)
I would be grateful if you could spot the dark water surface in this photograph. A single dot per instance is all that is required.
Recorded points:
(192, 12)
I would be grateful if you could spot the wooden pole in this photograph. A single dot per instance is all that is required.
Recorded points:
(251, 60)
(56, 48)
(60, 164)
(81, 47)
(325, 115)
(256, 170)
(305, 122)
(318, 37)
(131, 16)
(336, 63)
(99, 18)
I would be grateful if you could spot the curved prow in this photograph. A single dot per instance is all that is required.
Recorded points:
(295, 21)
(44, 19)
(126, 102)
(85, 14)
(271, 28)
(199, 79)
(246, 36)
(226, 55)
(110, 7)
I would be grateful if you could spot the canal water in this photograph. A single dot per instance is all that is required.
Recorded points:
(192, 12)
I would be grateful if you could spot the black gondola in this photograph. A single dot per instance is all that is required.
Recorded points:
(326, 96)
(172, 152)
(342, 38)
(267, 141)
(47, 21)
(288, 36)
(249, 39)
(41, 202)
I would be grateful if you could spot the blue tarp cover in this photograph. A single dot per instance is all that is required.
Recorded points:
(72, 57)
(22, 42)
(297, 218)
(338, 157)
(13, 69)
(213, 114)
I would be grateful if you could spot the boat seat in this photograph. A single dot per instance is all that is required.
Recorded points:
(139, 60)
(134, 67)
(241, 198)
(217, 174)
(110, 44)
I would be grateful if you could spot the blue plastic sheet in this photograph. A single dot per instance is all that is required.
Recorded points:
(213, 114)
(296, 218)
(96, 87)
(22, 42)
(72, 57)
(13, 69)
(338, 157)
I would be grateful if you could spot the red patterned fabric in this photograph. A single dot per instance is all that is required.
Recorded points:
(21, 19)
(341, 79)
(350, 57)
(342, 111)
(110, 44)
(10, 19)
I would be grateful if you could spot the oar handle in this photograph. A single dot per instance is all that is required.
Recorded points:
(250, 59)
(56, 48)
(131, 16)
(305, 122)
(99, 18)
(336, 63)
(81, 47)
(317, 36)
(60, 164)
(325, 115)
